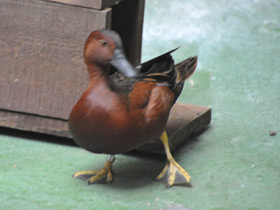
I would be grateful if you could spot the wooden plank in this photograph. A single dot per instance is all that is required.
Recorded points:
(95, 4)
(184, 121)
(41, 54)
(34, 123)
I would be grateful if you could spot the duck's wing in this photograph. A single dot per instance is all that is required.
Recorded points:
(159, 69)
(119, 83)
(146, 67)
(162, 70)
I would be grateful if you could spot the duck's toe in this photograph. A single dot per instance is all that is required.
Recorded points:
(104, 174)
(174, 174)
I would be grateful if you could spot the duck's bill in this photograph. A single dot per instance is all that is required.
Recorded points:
(122, 65)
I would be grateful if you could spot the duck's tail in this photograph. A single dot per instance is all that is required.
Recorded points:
(185, 69)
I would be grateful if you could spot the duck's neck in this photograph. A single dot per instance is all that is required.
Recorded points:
(98, 75)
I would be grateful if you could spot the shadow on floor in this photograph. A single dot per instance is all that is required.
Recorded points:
(36, 136)
(138, 171)
(69, 142)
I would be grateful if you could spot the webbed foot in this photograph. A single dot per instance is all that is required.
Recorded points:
(92, 176)
(173, 173)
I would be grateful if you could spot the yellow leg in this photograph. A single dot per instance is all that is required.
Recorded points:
(96, 175)
(173, 172)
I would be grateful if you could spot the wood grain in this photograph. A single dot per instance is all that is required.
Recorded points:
(184, 121)
(42, 68)
(34, 123)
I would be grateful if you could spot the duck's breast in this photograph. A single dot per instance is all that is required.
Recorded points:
(105, 125)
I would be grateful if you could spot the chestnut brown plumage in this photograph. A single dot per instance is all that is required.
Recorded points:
(125, 107)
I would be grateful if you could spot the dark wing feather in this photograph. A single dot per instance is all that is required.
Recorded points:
(161, 70)
(148, 65)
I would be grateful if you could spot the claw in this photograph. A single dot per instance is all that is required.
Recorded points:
(104, 173)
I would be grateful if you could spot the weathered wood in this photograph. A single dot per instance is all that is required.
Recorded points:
(34, 123)
(42, 68)
(184, 121)
(96, 4)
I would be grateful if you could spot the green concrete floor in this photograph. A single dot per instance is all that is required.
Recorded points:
(234, 165)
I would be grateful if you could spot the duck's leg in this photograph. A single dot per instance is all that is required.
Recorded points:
(173, 173)
(92, 176)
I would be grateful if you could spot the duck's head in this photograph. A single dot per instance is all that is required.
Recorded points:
(103, 48)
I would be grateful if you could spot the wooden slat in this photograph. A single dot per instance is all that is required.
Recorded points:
(41, 55)
(96, 4)
(184, 121)
(34, 123)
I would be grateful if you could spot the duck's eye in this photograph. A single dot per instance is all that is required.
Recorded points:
(103, 42)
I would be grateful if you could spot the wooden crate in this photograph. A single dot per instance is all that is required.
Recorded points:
(42, 73)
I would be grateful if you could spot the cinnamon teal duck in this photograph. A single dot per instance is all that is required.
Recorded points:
(126, 107)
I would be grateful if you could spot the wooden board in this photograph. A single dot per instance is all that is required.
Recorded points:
(34, 123)
(41, 47)
(184, 121)
(42, 67)
(96, 4)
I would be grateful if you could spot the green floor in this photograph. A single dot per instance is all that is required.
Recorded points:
(234, 165)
